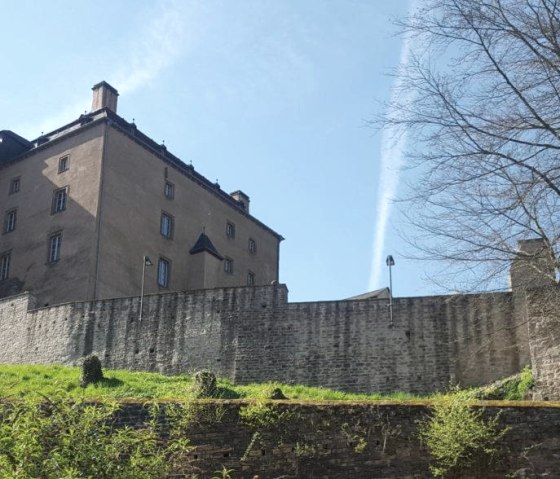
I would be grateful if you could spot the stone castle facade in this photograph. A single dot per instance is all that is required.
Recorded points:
(84, 204)
(87, 205)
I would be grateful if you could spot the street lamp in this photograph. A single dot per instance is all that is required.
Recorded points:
(146, 262)
(390, 262)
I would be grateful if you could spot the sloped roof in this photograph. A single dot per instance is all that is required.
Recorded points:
(382, 293)
(202, 244)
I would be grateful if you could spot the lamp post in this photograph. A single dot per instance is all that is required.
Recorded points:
(390, 262)
(145, 262)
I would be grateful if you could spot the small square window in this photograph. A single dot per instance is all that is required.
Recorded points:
(252, 246)
(63, 164)
(163, 273)
(15, 185)
(166, 225)
(59, 200)
(228, 265)
(55, 243)
(10, 221)
(250, 278)
(4, 266)
(230, 230)
(169, 190)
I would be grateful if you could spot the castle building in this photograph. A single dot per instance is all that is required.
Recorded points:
(95, 208)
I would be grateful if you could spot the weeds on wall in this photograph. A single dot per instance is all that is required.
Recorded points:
(58, 438)
(265, 419)
(458, 436)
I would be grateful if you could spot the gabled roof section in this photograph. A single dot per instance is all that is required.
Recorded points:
(12, 145)
(203, 244)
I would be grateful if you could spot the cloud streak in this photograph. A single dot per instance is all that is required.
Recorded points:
(393, 145)
(164, 40)
(169, 34)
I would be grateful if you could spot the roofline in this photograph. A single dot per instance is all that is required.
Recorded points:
(129, 129)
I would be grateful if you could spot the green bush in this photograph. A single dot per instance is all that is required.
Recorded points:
(91, 370)
(458, 436)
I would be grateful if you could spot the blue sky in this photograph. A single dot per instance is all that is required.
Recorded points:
(268, 96)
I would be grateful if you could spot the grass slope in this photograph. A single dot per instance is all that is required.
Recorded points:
(18, 381)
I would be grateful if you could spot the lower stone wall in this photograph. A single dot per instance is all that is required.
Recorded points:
(358, 441)
(544, 340)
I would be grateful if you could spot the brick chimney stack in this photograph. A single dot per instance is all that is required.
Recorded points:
(104, 96)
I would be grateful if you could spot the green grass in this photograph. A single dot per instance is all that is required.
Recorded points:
(18, 381)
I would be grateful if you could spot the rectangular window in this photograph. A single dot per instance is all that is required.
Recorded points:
(228, 265)
(55, 243)
(252, 246)
(169, 190)
(59, 200)
(166, 225)
(250, 278)
(15, 185)
(163, 273)
(63, 164)
(230, 230)
(4, 266)
(10, 221)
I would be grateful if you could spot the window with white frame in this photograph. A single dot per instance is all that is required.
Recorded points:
(55, 244)
(230, 230)
(228, 265)
(59, 200)
(63, 164)
(10, 221)
(15, 185)
(4, 266)
(163, 273)
(169, 190)
(250, 278)
(166, 225)
(252, 247)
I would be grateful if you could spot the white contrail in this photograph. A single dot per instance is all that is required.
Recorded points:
(393, 144)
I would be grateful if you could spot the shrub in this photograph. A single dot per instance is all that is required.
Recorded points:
(458, 436)
(74, 439)
(91, 370)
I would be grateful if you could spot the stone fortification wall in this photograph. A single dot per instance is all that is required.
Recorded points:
(358, 441)
(254, 334)
(544, 339)
(353, 345)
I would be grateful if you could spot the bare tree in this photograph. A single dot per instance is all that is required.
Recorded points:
(484, 130)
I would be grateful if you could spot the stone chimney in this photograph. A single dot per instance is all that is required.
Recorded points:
(104, 96)
(242, 199)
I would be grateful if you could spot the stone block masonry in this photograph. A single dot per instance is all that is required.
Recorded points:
(357, 441)
(252, 334)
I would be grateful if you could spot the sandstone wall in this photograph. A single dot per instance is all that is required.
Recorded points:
(358, 441)
(254, 334)
(544, 339)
